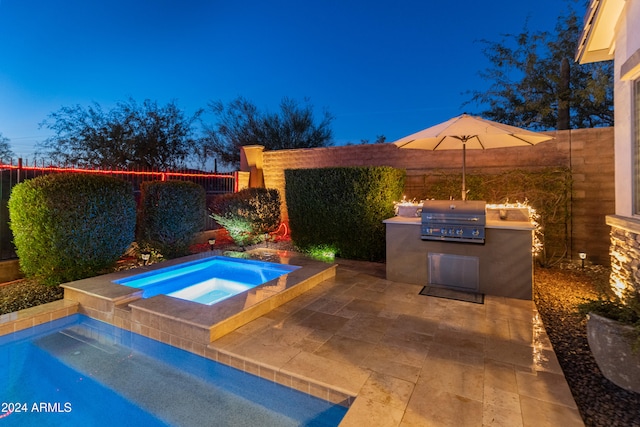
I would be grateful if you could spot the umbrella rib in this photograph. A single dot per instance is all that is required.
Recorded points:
(521, 139)
(408, 142)
(438, 144)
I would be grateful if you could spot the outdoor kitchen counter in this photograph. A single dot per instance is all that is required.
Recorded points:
(511, 225)
(505, 262)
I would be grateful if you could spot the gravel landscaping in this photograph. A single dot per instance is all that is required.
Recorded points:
(557, 292)
(23, 294)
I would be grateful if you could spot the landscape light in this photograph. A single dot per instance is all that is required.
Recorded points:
(212, 242)
(145, 257)
(583, 256)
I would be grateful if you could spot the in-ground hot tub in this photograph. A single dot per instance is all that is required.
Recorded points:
(207, 281)
(193, 325)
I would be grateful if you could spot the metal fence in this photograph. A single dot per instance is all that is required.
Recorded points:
(214, 183)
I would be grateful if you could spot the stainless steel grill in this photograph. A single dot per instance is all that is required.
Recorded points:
(453, 220)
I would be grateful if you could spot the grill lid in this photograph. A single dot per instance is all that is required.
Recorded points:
(454, 211)
(454, 220)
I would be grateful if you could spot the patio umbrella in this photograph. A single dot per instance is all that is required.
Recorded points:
(469, 132)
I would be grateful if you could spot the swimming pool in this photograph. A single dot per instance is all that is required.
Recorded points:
(80, 371)
(207, 281)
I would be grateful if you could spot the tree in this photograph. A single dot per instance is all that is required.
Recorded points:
(241, 123)
(380, 139)
(129, 135)
(5, 149)
(529, 85)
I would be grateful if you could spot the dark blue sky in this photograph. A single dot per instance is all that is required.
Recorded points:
(380, 67)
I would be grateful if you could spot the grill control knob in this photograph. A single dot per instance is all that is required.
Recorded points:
(459, 231)
(476, 232)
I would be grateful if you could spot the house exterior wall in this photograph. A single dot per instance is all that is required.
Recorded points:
(627, 41)
(625, 224)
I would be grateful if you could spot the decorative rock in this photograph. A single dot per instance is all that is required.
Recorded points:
(625, 258)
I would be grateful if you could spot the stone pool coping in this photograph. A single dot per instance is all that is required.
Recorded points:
(34, 316)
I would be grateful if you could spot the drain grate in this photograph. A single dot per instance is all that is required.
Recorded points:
(434, 291)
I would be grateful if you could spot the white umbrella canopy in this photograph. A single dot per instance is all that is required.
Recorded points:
(469, 132)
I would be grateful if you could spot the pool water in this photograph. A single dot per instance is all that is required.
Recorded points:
(207, 281)
(79, 371)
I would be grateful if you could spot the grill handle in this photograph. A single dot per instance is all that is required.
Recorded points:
(443, 218)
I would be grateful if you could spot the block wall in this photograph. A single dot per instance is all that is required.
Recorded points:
(588, 152)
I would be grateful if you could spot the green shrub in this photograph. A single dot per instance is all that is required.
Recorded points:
(71, 226)
(248, 214)
(342, 208)
(171, 214)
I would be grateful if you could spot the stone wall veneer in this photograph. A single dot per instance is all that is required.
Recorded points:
(625, 259)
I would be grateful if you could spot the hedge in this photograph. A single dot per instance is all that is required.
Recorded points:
(71, 226)
(171, 214)
(342, 208)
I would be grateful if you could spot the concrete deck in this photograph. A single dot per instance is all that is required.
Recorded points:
(411, 360)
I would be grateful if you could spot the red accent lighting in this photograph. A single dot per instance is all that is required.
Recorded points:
(163, 175)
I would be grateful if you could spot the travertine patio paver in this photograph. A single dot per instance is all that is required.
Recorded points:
(413, 360)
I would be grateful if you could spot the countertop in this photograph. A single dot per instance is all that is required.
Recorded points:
(502, 224)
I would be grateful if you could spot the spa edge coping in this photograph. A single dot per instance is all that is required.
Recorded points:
(106, 287)
(507, 225)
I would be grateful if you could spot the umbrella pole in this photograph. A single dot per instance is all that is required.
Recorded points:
(464, 172)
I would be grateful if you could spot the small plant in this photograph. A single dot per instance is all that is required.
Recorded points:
(248, 215)
(325, 253)
(148, 255)
(239, 228)
(624, 310)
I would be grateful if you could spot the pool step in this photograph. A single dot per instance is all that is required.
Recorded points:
(91, 338)
(212, 297)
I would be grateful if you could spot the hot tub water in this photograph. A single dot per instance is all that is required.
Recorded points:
(207, 281)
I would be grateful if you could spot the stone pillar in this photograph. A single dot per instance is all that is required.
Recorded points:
(251, 161)
(243, 180)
